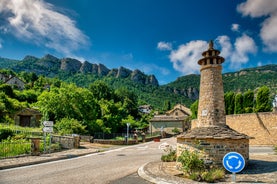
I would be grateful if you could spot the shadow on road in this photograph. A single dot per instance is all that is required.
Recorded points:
(260, 167)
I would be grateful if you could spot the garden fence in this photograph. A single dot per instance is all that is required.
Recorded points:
(12, 149)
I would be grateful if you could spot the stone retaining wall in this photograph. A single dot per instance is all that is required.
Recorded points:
(261, 126)
(113, 142)
(122, 142)
(67, 142)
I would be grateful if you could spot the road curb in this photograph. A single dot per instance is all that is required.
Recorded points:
(63, 157)
(142, 174)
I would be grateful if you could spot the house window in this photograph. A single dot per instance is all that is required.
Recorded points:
(176, 113)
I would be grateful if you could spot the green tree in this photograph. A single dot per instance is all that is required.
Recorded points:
(112, 115)
(8, 90)
(69, 101)
(129, 101)
(167, 105)
(28, 95)
(100, 90)
(194, 109)
(70, 126)
(9, 106)
(263, 103)
(229, 99)
(238, 104)
(28, 76)
(248, 101)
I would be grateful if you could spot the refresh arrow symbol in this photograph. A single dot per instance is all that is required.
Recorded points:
(238, 165)
(228, 165)
(233, 156)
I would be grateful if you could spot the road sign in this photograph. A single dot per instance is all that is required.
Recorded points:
(233, 162)
(48, 129)
(48, 123)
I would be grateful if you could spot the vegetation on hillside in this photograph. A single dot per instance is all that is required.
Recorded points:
(97, 108)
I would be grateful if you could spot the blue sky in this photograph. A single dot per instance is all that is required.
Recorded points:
(160, 37)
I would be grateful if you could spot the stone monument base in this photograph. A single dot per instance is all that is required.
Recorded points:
(213, 143)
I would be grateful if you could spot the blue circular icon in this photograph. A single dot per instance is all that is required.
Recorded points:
(233, 162)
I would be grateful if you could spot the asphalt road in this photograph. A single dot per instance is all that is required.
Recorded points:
(114, 166)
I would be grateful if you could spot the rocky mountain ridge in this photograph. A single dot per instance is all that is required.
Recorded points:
(50, 65)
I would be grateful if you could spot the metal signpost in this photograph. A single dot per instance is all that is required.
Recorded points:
(48, 128)
(128, 125)
(234, 163)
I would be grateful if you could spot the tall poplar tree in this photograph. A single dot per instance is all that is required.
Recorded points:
(248, 101)
(229, 99)
(238, 104)
(263, 103)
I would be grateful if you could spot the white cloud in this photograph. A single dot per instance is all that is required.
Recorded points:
(164, 46)
(259, 8)
(239, 53)
(225, 44)
(185, 58)
(244, 45)
(38, 22)
(235, 27)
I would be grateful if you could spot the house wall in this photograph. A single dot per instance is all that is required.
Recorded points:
(261, 126)
(167, 126)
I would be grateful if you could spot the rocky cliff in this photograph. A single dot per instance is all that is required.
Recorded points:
(50, 65)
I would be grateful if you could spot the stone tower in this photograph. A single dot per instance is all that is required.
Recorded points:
(211, 108)
(210, 135)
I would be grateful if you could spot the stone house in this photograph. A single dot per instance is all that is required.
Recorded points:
(12, 80)
(145, 109)
(28, 118)
(174, 118)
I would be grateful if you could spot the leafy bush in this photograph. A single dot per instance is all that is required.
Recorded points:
(191, 162)
(194, 168)
(5, 133)
(70, 126)
(175, 130)
(170, 157)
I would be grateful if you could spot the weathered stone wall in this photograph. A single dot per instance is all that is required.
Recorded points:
(113, 142)
(261, 126)
(67, 142)
(122, 142)
(213, 150)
